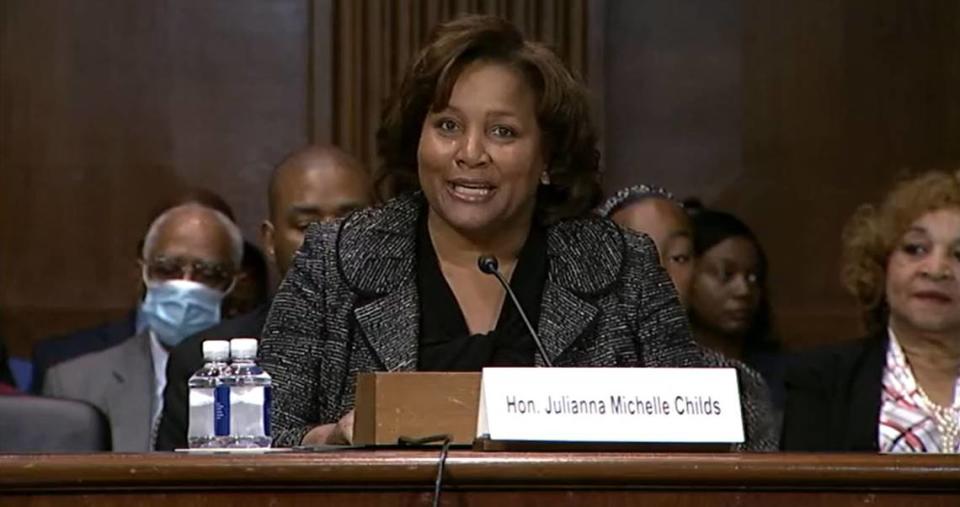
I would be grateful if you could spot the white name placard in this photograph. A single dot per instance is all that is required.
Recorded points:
(657, 405)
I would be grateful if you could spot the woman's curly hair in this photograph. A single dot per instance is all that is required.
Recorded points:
(563, 112)
(873, 232)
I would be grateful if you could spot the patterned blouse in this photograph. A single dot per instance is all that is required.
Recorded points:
(909, 421)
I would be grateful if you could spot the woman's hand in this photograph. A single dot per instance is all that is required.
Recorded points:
(339, 433)
(343, 430)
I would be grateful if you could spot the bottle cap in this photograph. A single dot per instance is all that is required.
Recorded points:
(243, 348)
(216, 350)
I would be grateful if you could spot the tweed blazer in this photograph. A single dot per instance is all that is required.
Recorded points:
(349, 304)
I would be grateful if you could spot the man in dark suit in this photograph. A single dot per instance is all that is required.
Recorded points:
(317, 183)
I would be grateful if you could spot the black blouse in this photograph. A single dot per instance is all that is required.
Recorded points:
(445, 343)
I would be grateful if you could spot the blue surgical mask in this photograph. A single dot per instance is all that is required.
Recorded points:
(176, 309)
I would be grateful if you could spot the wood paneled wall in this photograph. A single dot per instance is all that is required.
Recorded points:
(108, 108)
(840, 100)
(789, 113)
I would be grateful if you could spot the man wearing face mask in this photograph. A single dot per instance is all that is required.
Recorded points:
(313, 184)
(52, 351)
(190, 258)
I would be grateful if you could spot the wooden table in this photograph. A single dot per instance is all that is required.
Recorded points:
(405, 478)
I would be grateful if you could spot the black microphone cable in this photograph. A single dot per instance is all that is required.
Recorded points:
(441, 461)
(489, 265)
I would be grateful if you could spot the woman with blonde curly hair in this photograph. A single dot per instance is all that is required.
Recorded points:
(899, 389)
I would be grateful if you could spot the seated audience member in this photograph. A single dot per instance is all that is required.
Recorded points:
(728, 302)
(314, 184)
(190, 258)
(898, 389)
(487, 149)
(654, 212)
(252, 289)
(52, 351)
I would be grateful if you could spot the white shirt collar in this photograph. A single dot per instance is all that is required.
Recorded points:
(160, 356)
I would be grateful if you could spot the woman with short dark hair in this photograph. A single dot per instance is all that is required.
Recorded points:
(487, 150)
(567, 140)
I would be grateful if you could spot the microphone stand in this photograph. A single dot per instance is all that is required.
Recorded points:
(489, 265)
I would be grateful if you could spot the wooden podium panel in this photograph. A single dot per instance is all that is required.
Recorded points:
(416, 404)
(472, 479)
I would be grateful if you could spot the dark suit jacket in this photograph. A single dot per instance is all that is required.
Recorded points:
(57, 350)
(833, 397)
(350, 304)
(186, 359)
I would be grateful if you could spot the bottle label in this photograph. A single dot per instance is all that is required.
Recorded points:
(247, 411)
(201, 401)
(221, 411)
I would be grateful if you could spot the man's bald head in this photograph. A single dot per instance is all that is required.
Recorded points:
(305, 160)
(313, 184)
(192, 235)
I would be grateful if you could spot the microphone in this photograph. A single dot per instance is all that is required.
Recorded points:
(489, 265)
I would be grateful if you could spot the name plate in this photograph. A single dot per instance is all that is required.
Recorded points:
(657, 405)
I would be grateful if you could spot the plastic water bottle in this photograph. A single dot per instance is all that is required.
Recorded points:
(249, 396)
(209, 416)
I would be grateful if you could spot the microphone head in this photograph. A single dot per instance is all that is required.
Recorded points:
(488, 264)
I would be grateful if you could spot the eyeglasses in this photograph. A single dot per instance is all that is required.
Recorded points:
(215, 275)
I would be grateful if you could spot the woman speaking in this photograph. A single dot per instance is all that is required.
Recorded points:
(487, 151)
